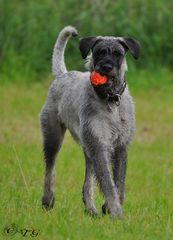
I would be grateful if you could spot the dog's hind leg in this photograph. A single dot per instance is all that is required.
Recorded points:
(88, 188)
(53, 134)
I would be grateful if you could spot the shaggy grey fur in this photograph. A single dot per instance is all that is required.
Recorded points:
(103, 129)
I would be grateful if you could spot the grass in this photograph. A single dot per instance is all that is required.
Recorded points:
(148, 207)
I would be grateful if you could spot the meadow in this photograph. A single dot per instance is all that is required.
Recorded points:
(28, 30)
(148, 208)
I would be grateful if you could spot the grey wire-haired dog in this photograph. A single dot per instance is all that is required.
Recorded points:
(100, 118)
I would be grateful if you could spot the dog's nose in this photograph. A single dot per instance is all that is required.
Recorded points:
(107, 67)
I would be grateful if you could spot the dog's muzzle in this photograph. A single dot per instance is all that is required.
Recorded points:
(105, 68)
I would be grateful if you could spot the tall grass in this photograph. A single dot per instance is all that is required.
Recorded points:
(28, 30)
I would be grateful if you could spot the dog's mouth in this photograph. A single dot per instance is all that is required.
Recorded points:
(109, 71)
(110, 74)
(99, 77)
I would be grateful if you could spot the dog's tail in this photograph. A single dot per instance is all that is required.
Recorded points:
(58, 64)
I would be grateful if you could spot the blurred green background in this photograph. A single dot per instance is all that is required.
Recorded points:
(28, 30)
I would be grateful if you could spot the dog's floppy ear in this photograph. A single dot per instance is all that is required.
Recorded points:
(132, 45)
(86, 44)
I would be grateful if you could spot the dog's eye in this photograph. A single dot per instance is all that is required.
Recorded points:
(117, 54)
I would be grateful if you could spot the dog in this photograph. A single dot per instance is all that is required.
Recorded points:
(100, 118)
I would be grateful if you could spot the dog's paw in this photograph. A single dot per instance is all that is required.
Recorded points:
(114, 212)
(48, 202)
(92, 212)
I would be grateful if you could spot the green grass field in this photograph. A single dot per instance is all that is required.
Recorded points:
(148, 209)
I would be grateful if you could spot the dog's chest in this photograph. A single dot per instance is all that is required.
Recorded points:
(124, 127)
(119, 124)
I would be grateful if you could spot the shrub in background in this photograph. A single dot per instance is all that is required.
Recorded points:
(28, 30)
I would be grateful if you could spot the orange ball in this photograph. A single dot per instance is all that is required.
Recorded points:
(98, 79)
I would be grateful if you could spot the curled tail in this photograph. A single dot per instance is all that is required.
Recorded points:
(58, 64)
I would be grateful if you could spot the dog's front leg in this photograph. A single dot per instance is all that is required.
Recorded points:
(106, 184)
(100, 161)
(95, 139)
(88, 187)
(119, 162)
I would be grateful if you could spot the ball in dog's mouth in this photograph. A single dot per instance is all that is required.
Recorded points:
(97, 79)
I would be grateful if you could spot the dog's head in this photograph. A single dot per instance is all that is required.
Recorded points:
(108, 54)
